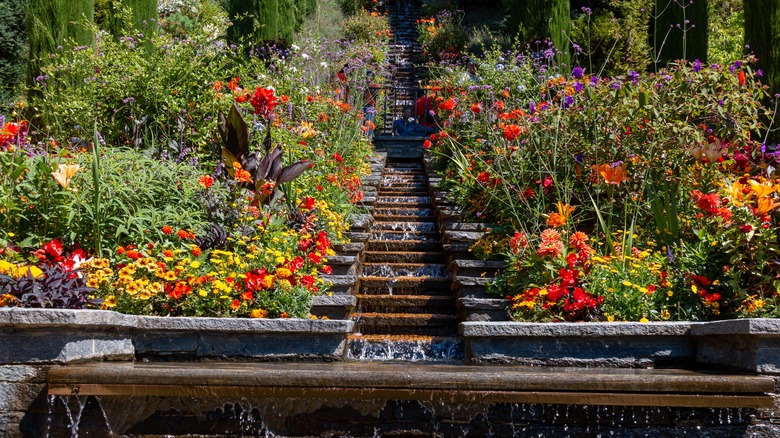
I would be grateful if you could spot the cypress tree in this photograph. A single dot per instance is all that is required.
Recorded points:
(53, 23)
(680, 30)
(268, 19)
(242, 14)
(143, 11)
(287, 20)
(533, 20)
(762, 36)
(301, 13)
(13, 38)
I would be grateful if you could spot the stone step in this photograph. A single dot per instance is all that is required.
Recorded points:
(404, 245)
(404, 257)
(403, 211)
(433, 324)
(405, 285)
(407, 226)
(404, 348)
(391, 235)
(404, 270)
(399, 218)
(402, 191)
(405, 304)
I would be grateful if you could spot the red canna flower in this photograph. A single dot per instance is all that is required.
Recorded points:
(264, 101)
(741, 77)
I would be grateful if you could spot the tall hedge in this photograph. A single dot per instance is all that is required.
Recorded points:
(13, 39)
(53, 23)
(533, 20)
(680, 30)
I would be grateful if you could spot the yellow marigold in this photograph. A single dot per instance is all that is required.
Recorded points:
(268, 281)
(258, 313)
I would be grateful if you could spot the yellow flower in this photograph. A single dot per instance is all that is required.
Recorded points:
(109, 302)
(258, 313)
(268, 281)
(643, 320)
(762, 189)
(145, 294)
(283, 272)
(665, 314)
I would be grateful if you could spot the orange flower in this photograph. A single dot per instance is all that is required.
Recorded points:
(764, 205)
(447, 105)
(559, 219)
(167, 229)
(206, 181)
(612, 173)
(243, 176)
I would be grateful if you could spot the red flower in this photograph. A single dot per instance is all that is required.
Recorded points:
(337, 157)
(264, 101)
(746, 228)
(233, 84)
(243, 176)
(167, 229)
(181, 289)
(741, 77)
(327, 270)
(483, 177)
(308, 203)
(476, 108)
(427, 144)
(206, 181)
(447, 105)
(511, 132)
(196, 251)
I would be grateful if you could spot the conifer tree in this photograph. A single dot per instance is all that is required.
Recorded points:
(242, 14)
(53, 23)
(13, 39)
(762, 37)
(268, 19)
(287, 20)
(680, 31)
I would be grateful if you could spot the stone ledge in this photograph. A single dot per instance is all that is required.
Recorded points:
(769, 327)
(579, 329)
(743, 344)
(80, 335)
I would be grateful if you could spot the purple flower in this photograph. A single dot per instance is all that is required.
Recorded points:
(568, 101)
(577, 86)
(760, 73)
(594, 80)
(577, 72)
(587, 10)
(633, 77)
(532, 107)
(697, 66)
(616, 85)
(128, 100)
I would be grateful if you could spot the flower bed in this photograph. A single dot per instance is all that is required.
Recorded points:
(644, 197)
(160, 175)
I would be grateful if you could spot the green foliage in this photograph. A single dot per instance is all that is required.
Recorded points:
(142, 15)
(443, 34)
(351, 7)
(366, 28)
(680, 31)
(540, 20)
(614, 37)
(166, 102)
(13, 39)
(727, 31)
(54, 23)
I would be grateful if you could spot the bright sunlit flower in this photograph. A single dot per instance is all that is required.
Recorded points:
(65, 173)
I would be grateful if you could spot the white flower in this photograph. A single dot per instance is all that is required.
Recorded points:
(305, 56)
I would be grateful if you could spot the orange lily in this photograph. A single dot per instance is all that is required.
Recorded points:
(612, 174)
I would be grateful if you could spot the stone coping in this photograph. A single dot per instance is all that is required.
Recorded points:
(19, 318)
(579, 329)
(748, 326)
